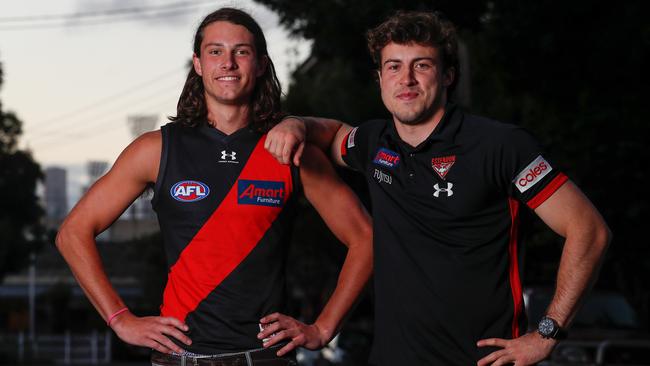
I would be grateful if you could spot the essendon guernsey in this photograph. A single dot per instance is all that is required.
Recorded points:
(225, 206)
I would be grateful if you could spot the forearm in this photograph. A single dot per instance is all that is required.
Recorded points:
(80, 252)
(321, 131)
(581, 259)
(353, 277)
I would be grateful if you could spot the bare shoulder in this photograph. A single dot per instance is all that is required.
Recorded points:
(141, 158)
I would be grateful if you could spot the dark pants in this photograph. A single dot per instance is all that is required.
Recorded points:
(254, 357)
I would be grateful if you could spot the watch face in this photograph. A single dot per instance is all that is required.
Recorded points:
(546, 327)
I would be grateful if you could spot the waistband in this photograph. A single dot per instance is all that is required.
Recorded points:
(259, 356)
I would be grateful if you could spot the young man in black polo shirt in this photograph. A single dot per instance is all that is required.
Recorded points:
(446, 190)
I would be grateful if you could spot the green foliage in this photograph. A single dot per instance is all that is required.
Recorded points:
(20, 213)
(573, 73)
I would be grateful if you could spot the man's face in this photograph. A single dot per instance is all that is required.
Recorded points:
(413, 84)
(228, 64)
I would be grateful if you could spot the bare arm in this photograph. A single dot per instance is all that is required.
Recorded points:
(136, 167)
(345, 216)
(287, 139)
(570, 214)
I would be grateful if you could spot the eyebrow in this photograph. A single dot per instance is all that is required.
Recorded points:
(223, 45)
(414, 60)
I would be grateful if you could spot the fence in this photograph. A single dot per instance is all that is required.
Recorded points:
(67, 348)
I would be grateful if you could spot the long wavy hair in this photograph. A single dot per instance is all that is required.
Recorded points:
(265, 99)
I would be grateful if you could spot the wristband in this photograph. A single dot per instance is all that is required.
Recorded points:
(115, 314)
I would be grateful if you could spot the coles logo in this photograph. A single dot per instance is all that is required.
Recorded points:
(260, 192)
(532, 174)
(189, 191)
(387, 158)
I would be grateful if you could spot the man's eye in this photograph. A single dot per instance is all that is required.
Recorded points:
(214, 52)
(242, 52)
(422, 66)
(392, 67)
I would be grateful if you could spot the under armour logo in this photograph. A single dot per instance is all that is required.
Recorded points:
(232, 155)
(446, 190)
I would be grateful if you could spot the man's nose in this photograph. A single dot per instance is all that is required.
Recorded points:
(229, 62)
(408, 77)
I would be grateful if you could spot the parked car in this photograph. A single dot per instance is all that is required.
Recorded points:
(605, 331)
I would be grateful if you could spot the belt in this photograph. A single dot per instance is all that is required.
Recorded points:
(260, 356)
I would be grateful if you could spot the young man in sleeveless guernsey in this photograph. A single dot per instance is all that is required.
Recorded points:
(225, 208)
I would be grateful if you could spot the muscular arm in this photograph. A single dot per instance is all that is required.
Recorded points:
(286, 140)
(570, 214)
(345, 216)
(104, 202)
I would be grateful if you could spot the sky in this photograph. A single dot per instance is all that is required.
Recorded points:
(75, 71)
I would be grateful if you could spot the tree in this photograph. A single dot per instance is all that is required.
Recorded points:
(20, 229)
(571, 73)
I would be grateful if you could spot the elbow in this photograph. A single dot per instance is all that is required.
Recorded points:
(601, 238)
(61, 236)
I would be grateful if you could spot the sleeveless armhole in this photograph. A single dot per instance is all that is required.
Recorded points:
(164, 152)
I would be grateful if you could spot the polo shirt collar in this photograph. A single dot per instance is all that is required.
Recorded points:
(444, 132)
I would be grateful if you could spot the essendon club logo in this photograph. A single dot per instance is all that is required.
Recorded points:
(387, 158)
(189, 191)
(442, 164)
(260, 193)
(532, 174)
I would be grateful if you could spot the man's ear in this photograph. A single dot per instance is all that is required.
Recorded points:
(263, 64)
(448, 76)
(197, 65)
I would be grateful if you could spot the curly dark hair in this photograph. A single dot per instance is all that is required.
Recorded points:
(265, 100)
(424, 28)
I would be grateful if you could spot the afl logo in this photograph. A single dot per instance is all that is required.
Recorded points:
(189, 191)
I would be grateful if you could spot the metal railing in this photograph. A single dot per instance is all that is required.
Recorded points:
(600, 353)
(93, 348)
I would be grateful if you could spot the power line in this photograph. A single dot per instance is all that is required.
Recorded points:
(153, 13)
(111, 98)
(92, 120)
(84, 136)
(101, 13)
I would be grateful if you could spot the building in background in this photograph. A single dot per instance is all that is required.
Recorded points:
(55, 196)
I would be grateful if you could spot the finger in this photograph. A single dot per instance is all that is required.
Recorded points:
(166, 342)
(168, 320)
(492, 342)
(270, 329)
(286, 152)
(280, 336)
(286, 349)
(158, 347)
(505, 360)
(270, 318)
(298, 155)
(174, 332)
(491, 357)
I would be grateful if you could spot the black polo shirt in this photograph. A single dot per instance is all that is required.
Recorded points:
(446, 226)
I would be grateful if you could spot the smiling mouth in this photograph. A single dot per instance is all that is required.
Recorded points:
(407, 95)
(228, 78)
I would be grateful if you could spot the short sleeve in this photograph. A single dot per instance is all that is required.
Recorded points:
(357, 146)
(530, 177)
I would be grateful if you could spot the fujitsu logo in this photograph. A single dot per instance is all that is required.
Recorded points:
(383, 177)
(228, 157)
(447, 190)
(532, 174)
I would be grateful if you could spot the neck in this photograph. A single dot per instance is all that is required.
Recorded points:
(415, 134)
(229, 118)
